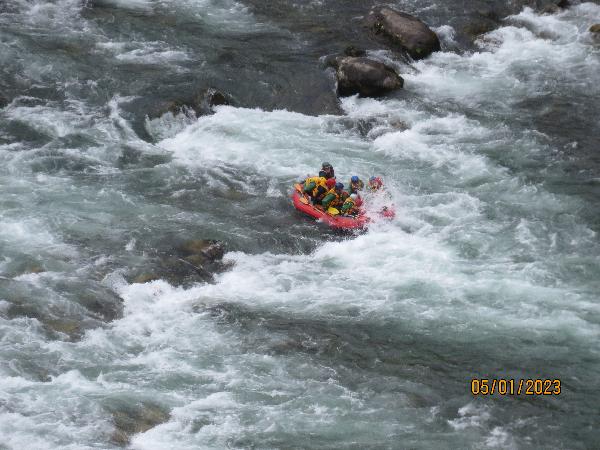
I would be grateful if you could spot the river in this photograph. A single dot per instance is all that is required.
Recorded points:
(309, 339)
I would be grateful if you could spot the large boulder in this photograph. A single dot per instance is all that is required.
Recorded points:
(351, 50)
(595, 28)
(404, 31)
(133, 418)
(364, 76)
(187, 263)
(555, 7)
(205, 101)
(202, 103)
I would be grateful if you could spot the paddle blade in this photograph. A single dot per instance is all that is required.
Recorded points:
(333, 211)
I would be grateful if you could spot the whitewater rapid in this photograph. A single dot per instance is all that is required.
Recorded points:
(491, 267)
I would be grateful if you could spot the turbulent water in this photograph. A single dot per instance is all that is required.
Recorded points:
(310, 339)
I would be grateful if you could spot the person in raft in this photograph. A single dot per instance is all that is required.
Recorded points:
(327, 171)
(375, 184)
(351, 205)
(317, 188)
(356, 185)
(334, 196)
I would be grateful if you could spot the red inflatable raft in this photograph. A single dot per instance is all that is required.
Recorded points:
(303, 204)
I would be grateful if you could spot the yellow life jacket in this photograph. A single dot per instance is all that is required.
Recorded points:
(334, 201)
(318, 180)
(320, 186)
(349, 206)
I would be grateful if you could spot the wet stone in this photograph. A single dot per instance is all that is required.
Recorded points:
(354, 51)
(403, 31)
(69, 327)
(145, 278)
(186, 263)
(137, 418)
(366, 77)
(103, 303)
(209, 249)
(200, 104)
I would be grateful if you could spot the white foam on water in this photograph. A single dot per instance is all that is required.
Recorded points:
(500, 438)
(515, 62)
(449, 147)
(169, 124)
(52, 14)
(154, 53)
(216, 13)
(50, 120)
(170, 349)
(278, 143)
(140, 5)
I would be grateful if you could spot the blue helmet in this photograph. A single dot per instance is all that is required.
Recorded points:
(354, 179)
(339, 186)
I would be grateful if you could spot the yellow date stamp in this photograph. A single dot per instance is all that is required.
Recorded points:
(509, 386)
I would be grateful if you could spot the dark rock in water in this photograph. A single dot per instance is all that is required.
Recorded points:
(490, 14)
(100, 303)
(477, 28)
(404, 31)
(103, 303)
(209, 249)
(554, 8)
(365, 76)
(484, 21)
(595, 28)
(343, 124)
(370, 128)
(136, 418)
(71, 328)
(145, 278)
(3, 101)
(53, 325)
(201, 104)
(189, 262)
(353, 51)
(215, 98)
(204, 102)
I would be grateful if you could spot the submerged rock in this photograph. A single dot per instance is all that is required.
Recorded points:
(364, 76)
(554, 8)
(71, 328)
(189, 262)
(201, 104)
(483, 21)
(145, 278)
(103, 303)
(204, 102)
(403, 31)
(351, 50)
(595, 28)
(137, 418)
(210, 250)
